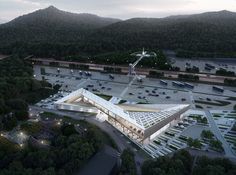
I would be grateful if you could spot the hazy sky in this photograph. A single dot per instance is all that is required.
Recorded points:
(123, 9)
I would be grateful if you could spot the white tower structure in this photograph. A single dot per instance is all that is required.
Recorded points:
(140, 56)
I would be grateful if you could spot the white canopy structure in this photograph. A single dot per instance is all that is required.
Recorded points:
(137, 121)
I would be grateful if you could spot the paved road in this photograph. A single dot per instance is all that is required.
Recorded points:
(219, 136)
(145, 71)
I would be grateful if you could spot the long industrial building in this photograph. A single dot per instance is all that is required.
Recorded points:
(139, 122)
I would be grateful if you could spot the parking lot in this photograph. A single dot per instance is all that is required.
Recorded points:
(148, 91)
(224, 63)
(176, 137)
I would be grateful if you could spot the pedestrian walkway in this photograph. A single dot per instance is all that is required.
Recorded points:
(219, 136)
(127, 88)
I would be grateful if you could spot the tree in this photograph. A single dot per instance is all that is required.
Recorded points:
(204, 120)
(218, 166)
(42, 71)
(194, 143)
(9, 122)
(234, 127)
(179, 164)
(216, 144)
(2, 106)
(21, 115)
(17, 104)
(128, 163)
(68, 130)
(182, 163)
(207, 134)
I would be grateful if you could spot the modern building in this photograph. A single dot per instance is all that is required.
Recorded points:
(139, 122)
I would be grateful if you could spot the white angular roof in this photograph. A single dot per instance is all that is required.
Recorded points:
(143, 120)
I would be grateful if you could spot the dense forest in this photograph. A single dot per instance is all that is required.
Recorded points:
(54, 33)
(124, 58)
(69, 150)
(128, 166)
(18, 88)
(67, 153)
(182, 163)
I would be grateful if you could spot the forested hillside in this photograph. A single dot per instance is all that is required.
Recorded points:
(54, 33)
(17, 89)
(208, 32)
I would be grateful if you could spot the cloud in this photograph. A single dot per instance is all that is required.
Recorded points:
(117, 8)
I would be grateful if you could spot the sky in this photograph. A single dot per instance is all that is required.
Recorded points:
(123, 9)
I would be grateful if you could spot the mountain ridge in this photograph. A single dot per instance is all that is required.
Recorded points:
(76, 33)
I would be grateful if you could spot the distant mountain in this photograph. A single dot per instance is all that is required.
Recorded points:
(52, 16)
(52, 24)
(206, 32)
(52, 32)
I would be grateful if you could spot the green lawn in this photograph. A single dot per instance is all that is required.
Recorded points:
(199, 106)
(6, 145)
(51, 115)
(122, 101)
(31, 128)
(105, 97)
(216, 115)
(217, 103)
(232, 98)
